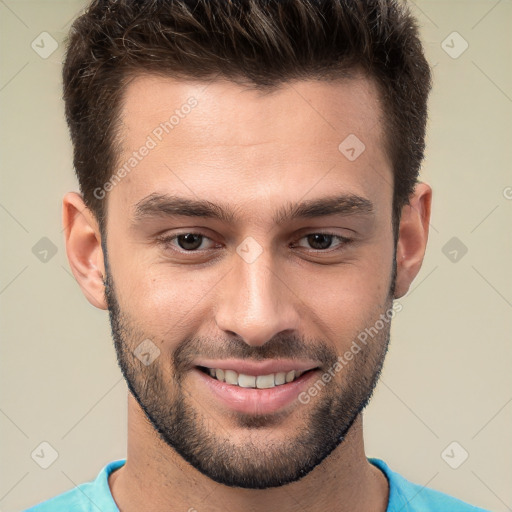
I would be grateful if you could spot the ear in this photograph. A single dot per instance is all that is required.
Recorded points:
(83, 247)
(412, 239)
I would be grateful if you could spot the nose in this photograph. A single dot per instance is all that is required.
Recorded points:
(256, 303)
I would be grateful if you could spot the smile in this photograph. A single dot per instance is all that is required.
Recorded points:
(252, 381)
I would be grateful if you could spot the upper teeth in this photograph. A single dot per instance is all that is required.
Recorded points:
(254, 381)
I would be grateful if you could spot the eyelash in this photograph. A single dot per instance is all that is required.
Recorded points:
(166, 241)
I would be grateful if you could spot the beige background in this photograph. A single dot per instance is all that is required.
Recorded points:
(447, 377)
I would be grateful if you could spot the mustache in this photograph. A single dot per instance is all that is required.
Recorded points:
(279, 347)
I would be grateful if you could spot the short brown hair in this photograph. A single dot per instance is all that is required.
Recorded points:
(259, 42)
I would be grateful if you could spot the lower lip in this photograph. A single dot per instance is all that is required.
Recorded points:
(253, 400)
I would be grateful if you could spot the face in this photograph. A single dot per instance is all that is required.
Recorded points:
(285, 257)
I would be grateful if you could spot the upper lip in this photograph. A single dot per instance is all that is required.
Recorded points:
(259, 368)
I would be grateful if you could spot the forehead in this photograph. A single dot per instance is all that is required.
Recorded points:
(203, 138)
(304, 109)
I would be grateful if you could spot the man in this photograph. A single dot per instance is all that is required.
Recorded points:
(249, 206)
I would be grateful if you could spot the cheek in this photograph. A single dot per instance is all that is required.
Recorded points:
(346, 300)
(165, 303)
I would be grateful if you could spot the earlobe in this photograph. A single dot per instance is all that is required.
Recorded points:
(83, 248)
(413, 236)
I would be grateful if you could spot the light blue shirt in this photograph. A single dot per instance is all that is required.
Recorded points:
(404, 496)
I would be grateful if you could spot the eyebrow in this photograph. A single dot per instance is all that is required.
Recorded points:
(165, 205)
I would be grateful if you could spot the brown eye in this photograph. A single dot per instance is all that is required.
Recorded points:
(324, 241)
(189, 241)
(186, 242)
(319, 241)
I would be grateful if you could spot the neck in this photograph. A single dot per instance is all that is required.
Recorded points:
(156, 478)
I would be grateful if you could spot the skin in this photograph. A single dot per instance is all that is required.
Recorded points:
(252, 153)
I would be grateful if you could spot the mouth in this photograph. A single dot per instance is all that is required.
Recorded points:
(266, 393)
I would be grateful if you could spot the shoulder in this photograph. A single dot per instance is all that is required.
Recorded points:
(406, 496)
(86, 497)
